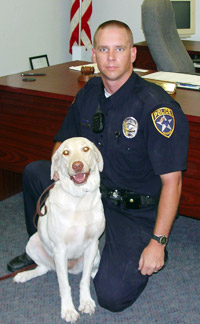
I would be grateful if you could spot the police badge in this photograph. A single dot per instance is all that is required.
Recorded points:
(130, 127)
(164, 121)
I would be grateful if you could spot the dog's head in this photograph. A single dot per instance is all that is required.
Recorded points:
(76, 160)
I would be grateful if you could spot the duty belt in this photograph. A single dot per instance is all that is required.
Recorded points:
(128, 199)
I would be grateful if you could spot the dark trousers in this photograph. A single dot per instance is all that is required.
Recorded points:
(118, 282)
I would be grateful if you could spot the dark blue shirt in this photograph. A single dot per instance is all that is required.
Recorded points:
(145, 133)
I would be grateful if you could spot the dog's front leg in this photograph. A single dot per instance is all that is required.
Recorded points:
(68, 311)
(87, 304)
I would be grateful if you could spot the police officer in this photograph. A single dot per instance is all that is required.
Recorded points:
(142, 134)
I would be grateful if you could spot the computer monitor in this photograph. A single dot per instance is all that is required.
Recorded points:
(185, 16)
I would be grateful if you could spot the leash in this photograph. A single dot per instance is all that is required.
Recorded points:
(32, 266)
(40, 204)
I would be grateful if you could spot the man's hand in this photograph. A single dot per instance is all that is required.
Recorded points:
(56, 176)
(152, 258)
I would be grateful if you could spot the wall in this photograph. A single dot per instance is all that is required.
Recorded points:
(129, 12)
(30, 28)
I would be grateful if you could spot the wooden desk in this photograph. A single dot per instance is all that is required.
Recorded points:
(32, 112)
(144, 59)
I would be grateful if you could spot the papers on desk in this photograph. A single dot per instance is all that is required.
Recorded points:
(78, 68)
(140, 70)
(179, 78)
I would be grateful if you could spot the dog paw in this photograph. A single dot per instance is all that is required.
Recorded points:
(22, 277)
(70, 315)
(87, 306)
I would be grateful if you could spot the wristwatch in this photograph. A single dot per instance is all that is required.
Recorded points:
(160, 239)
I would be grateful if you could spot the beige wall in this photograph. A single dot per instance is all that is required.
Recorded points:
(30, 28)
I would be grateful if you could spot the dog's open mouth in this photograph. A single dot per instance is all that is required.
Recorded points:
(80, 178)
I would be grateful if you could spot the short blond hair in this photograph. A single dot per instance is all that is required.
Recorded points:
(114, 23)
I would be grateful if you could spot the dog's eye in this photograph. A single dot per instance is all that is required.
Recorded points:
(65, 152)
(86, 149)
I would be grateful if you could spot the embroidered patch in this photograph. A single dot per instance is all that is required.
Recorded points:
(164, 121)
(130, 127)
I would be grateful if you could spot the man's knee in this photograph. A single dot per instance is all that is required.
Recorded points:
(32, 170)
(117, 295)
(36, 171)
(36, 179)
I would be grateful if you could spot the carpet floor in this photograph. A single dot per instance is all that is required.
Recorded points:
(172, 296)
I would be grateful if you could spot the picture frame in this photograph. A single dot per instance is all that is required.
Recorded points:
(38, 62)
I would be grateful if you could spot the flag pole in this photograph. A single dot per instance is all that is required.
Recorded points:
(80, 16)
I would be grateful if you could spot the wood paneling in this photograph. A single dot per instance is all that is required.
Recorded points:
(190, 198)
(11, 183)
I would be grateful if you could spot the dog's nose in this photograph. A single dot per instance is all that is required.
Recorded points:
(77, 166)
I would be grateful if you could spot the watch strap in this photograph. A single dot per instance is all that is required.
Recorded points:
(160, 239)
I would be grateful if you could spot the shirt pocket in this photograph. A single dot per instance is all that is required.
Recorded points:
(125, 150)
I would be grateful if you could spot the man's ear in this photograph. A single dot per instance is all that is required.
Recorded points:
(133, 54)
(94, 55)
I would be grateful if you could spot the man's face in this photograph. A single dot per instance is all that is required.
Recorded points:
(114, 54)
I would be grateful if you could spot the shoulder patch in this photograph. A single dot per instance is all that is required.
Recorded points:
(164, 121)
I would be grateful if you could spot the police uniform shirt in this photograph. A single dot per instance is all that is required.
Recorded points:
(145, 133)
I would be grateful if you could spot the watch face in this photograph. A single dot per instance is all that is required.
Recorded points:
(163, 240)
(160, 239)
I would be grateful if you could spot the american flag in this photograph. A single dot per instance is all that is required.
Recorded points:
(85, 6)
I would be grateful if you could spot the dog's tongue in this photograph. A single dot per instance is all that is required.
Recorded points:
(79, 178)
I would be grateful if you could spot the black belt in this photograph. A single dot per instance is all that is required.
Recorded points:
(128, 199)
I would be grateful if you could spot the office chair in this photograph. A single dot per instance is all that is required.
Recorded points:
(165, 45)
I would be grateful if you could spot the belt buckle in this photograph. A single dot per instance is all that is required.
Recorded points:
(115, 197)
(115, 194)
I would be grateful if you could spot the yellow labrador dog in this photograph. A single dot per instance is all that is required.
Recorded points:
(68, 235)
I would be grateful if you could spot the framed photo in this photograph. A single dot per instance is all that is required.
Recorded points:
(38, 62)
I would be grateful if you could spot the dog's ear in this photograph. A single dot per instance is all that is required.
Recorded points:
(99, 158)
(54, 166)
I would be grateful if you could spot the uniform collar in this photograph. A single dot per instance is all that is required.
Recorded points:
(119, 96)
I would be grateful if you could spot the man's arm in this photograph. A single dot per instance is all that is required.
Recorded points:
(152, 257)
